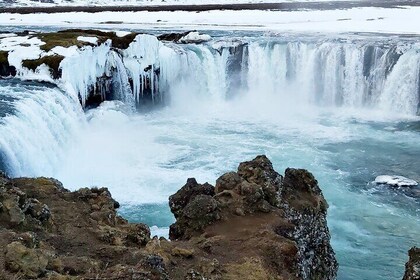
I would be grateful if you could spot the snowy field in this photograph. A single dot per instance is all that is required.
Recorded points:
(366, 19)
(31, 3)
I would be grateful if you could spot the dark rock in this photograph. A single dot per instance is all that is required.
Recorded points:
(191, 189)
(6, 69)
(201, 211)
(306, 209)
(172, 37)
(294, 207)
(412, 267)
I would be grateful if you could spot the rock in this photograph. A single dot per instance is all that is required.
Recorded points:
(6, 69)
(201, 211)
(412, 267)
(3, 179)
(172, 37)
(191, 189)
(395, 181)
(306, 208)
(29, 262)
(254, 225)
(285, 218)
(37, 210)
(181, 252)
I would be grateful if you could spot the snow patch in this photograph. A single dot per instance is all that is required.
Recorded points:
(91, 40)
(195, 37)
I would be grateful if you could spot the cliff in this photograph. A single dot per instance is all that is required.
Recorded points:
(254, 224)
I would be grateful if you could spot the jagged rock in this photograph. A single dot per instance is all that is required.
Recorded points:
(254, 225)
(412, 267)
(306, 209)
(201, 211)
(172, 37)
(191, 189)
(254, 195)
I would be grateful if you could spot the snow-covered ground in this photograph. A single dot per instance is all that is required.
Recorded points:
(32, 3)
(405, 20)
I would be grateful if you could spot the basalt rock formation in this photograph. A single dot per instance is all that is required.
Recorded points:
(254, 224)
(412, 267)
(264, 225)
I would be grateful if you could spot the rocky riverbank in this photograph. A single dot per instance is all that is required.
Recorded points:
(254, 224)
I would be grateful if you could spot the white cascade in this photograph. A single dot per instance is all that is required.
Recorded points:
(121, 86)
(34, 137)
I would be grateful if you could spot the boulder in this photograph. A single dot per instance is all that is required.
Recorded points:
(31, 263)
(191, 189)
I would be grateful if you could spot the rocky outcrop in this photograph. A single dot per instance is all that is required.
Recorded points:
(412, 267)
(285, 217)
(254, 224)
(6, 69)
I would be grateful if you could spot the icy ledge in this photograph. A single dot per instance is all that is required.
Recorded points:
(90, 64)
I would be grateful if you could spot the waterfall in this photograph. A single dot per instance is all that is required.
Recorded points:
(43, 121)
(121, 86)
(334, 73)
(373, 73)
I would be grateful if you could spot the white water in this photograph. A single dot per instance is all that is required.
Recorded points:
(309, 105)
(381, 74)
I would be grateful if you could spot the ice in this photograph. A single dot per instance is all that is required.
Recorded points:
(80, 71)
(394, 180)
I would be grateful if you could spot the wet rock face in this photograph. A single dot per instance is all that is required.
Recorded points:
(412, 267)
(306, 208)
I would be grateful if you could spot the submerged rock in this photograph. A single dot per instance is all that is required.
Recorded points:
(412, 267)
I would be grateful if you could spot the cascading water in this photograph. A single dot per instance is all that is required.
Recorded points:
(42, 122)
(329, 105)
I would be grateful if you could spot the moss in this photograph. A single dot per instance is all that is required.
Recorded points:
(52, 61)
(3, 57)
(60, 39)
(5, 68)
(67, 38)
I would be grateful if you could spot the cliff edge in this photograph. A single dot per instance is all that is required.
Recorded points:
(254, 224)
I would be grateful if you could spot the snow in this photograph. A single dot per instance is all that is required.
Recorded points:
(92, 40)
(398, 181)
(32, 3)
(368, 19)
(195, 37)
(59, 50)
(121, 33)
